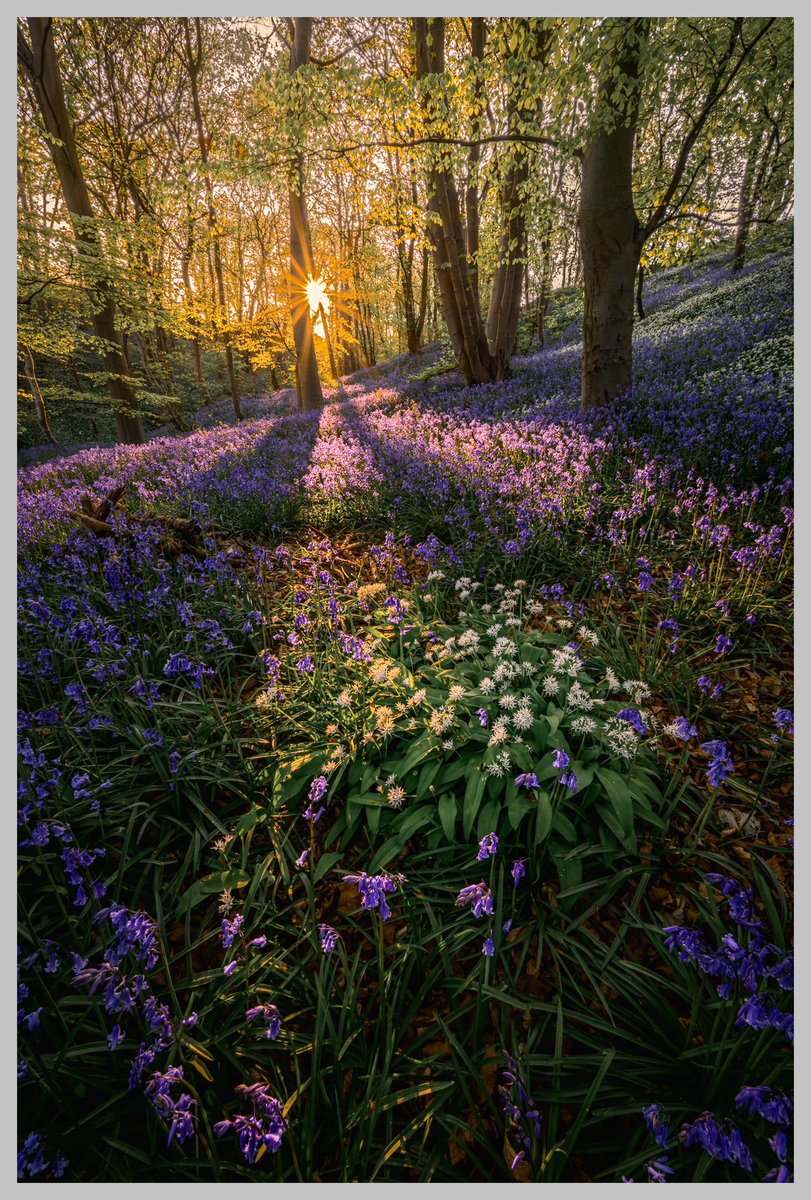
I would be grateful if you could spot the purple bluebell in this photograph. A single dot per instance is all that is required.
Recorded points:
(683, 729)
(373, 890)
(263, 1129)
(527, 781)
(479, 896)
(269, 1013)
(488, 846)
(327, 937)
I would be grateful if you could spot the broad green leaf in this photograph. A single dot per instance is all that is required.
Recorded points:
(325, 863)
(447, 814)
(473, 798)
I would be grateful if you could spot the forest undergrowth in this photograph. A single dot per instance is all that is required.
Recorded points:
(406, 789)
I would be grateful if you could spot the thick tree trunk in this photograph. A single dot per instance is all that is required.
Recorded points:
(42, 69)
(610, 235)
(39, 399)
(460, 303)
(301, 257)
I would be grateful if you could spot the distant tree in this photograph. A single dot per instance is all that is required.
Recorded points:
(41, 70)
(301, 255)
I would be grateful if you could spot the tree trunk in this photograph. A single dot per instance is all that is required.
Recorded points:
(194, 64)
(39, 399)
(640, 284)
(42, 69)
(477, 41)
(744, 211)
(460, 303)
(610, 235)
(301, 257)
(546, 288)
(505, 298)
(185, 259)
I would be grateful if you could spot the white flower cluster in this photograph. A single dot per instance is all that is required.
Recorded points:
(504, 648)
(564, 661)
(621, 737)
(637, 689)
(500, 764)
(579, 698)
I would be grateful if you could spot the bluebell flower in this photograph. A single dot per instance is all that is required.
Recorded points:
(231, 930)
(527, 781)
(373, 890)
(519, 870)
(115, 1037)
(633, 718)
(488, 846)
(489, 948)
(328, 937)
(784, 719)
(263, 1129)
(656, 1124)
(269, 1013)
(479, 896)
(561, 760)
(318, 789)
(720, 763)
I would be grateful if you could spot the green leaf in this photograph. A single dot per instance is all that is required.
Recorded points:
(447, 814)
(562, 825)
(473, 798)
(250, 819)
(220, 881)
(545, 816)
(325, 863)
(420, 750)
(488, 818)
(426, 778)
(517, 809)
(413, 820)
(570, 870)
(619, 797)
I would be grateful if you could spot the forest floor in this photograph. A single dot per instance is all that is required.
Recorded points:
(406, 788)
